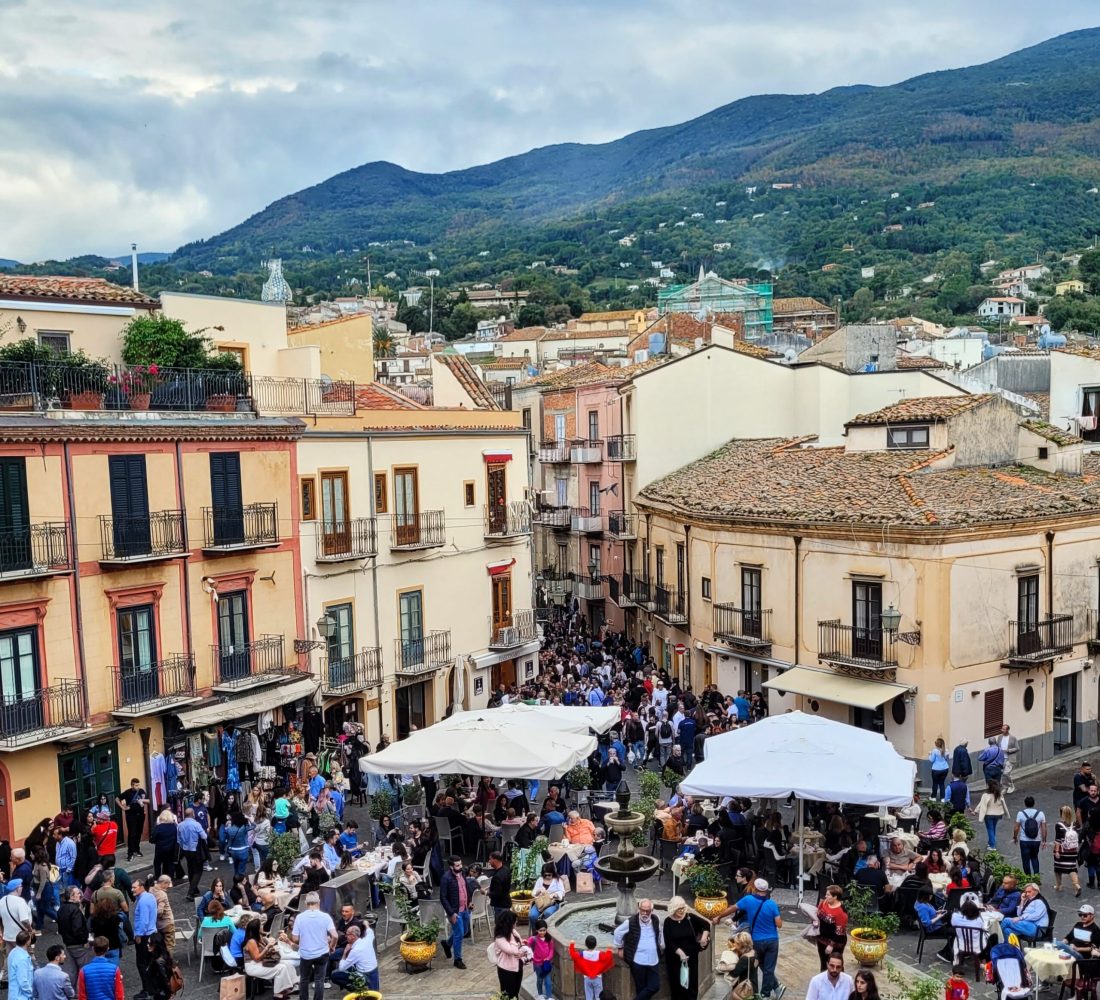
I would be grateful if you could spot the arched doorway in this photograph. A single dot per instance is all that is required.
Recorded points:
(5, 805)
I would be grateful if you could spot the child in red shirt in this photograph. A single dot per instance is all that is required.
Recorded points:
(592, 964)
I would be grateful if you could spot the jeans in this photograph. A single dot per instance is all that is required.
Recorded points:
(240, 859)
(341, 979)
(542, 980)
(46, 905)
(939, 784)
(767, 954)
(312, 969)
(532, 791)
(664, 751)
(259, 855)
(535, 912)
(639, 755)
(458, 932)
(1029, 856)
(647, 981)
(991, 831)
(593, 987)
(1021, 928)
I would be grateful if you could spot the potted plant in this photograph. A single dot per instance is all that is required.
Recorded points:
(357, 984)
(137, 385)
(419, 941)
(286, 849)
(412, 800)
(381, 803)
(87, 381)
(526, 868)
(579, 778)
(869, 928)
(709, 887)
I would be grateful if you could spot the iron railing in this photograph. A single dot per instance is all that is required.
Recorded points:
(158, 535)
(35, 549)
(583, 519)
(501, 393)
(424, 530)
(354, 539)
(235, 665)
(669, 605)
(588, 587)
(639, 590)
(553, 517)
(166, 680)
(25, 716)
(618, 591)
(586, 450)
(424, 654)
(306, 396)
(244, 527)
(518, 628)
(504, 520)
(744, 627)
(621, 524)
(553, 451)
(855, 645)
(1036, 642)
(352, 673)
(621, 448)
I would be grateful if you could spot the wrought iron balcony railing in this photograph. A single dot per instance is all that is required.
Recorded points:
(669, 605)
(507, 520)
(164, 682)
(621, 448)
(743, 628)
(551, 452)
(362, 670)
(40, 714)
(423, 654)
(586, 451)
(250, 526)
(622, 525)
(134, 537)
(244, 664)
(518, 628)
(856, 646)
(35, 550)
(585, 520)
(1040, 641)
(356, 538)
(425, 530)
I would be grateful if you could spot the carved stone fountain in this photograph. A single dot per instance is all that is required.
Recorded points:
(626, 868)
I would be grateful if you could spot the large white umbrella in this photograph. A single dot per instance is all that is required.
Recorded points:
(503, 748)
(563, 718)
(805, 756)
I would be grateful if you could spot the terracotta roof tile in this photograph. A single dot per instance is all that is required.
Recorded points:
(508, 363)
(587, 334)
(66, 289)
(608, 317)
(380, 397)
(907, 362)
(592, 373)
(930, 408)
(800, 303)
(774, 479)
(1042, 400)
(468, 378)
(524, 333)
(1051, 433)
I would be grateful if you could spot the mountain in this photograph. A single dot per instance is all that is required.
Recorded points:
(149, 257)
(8, 262)
(1030, 116)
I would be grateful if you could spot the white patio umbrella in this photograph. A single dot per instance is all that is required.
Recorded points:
(563, 718)
(507, 747)
(805, 756)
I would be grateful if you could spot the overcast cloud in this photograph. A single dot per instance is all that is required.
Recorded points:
(162, 122)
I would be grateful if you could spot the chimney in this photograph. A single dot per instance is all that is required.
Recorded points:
(134, 266)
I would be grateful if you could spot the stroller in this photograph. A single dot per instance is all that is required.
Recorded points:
(1010, 972)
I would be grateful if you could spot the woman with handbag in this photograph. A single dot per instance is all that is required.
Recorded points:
(683, 942)
(547, 895)
(508, 953)
(738, 964)
(263, 960)
(832, 920)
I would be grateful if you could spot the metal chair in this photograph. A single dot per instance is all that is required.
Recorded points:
(970, 943)
(667, 851)
(583, 801)
(426, 871)
(443, 832)
(185, 931)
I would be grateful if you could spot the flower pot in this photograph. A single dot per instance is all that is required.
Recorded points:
(140, 400)
(868, 947)
(711, 907)
(418, 955)
(521, 904)
(222, 403)
(87, 400)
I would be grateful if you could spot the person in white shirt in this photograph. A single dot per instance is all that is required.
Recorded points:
(315, 935)
(359, 955)
(16, 916)
(832, 984)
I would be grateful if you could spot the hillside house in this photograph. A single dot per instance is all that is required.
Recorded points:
(995, 307)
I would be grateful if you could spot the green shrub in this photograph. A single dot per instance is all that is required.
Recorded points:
(863, 911)
(527, 864)
(161, 340)
(579, 777)
(286, 848)
(381, 803)
(415, 928)
(649, 783)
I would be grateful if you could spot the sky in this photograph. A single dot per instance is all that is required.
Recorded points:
(162, 122)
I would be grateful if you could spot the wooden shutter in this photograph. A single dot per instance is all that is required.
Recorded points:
(994, 712)
(225, 480)
(380, 495)
(129, 495)
(14, 513)
(309, 500)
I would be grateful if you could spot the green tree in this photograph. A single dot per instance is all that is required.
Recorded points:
(1088, 267)
(860, 306)
(161, 340)
(383, 343)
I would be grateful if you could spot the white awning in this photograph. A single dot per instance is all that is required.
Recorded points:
(253, 703)
(562, 718)
(824, 684)
(482, 660)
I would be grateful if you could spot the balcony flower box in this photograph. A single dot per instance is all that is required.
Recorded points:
(86, 400)
(221, 403)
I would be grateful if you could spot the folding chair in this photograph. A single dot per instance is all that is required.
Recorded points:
(185, 931)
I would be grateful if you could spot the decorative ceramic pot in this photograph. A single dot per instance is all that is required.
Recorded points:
(521, 905)
(418, 954)
(868, 947)
(710, 907)
(140, 400)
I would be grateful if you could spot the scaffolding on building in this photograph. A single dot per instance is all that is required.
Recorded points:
(711, 294)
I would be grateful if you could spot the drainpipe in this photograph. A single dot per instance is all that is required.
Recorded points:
(76, 578)
(1050, 572)
(374, 581)
(188, 646)
(687, 596)
(797, 596)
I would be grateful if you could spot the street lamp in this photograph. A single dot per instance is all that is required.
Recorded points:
(326, 626)
(891, 619)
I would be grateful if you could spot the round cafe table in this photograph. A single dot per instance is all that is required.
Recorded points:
(1048, 964)
(571, 851)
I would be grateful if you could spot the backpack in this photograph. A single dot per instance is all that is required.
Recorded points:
(1070, 843)
(665, 731)
(1031, 825)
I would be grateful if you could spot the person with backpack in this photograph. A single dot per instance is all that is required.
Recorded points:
(992, 759)
(1030, 832)
(1067, 850)
(665, 736)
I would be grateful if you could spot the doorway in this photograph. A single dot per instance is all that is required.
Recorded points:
(84, 775)
(335, 522)
(412, 707)
(1065, 711)
(504, 674)
(234, 659)
(137, 654)
(497, 496)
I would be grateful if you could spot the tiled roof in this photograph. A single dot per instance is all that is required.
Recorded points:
(1041, 399)
(587, 335)
(1051, 433)
(462, 370)
(800, 303)
(524, 333)
(380, 397)
(510, 363)
(592, 373)
(778, 480)
(608, 317)
(921, 408)
(65, 289)
(909, 361)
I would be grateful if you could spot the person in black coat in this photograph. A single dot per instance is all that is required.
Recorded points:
(165, 848)
(500, 883)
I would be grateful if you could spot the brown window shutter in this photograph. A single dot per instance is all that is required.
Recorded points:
(994, 712)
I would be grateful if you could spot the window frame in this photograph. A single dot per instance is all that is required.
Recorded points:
(704, 588)
(67, 334)
(307, 498)
(381, 493)
(904, 437)
(469, 493)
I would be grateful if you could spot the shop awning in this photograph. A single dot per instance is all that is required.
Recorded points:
(482, 660)
(251, 704)
(827, 686)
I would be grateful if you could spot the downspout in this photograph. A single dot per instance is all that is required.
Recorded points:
(1050, 572)
(187, 637)
(797, 597)
(374, 579)
(76, 580)
(687, 596)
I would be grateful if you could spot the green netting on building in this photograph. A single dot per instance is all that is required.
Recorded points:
(711, 294)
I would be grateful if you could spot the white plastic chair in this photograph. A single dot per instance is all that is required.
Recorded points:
(480, 911)
(185, 931)
(206, 950)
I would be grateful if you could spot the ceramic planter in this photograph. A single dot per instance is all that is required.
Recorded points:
(87, 400)
(418, 955)
(521, 904)
(868, 946)
(140, 400)
(222, 403)
(711, 907)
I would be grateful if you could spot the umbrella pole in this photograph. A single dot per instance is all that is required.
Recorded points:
(801, 848)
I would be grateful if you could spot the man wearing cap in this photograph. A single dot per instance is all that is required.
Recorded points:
(16, 916)
(1083, 939)
(761, 918)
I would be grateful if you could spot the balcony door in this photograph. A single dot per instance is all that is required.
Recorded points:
(335, 522)
(233, 655)
(15, 527)
(406, 506)
(867, 620)
(498, 506)
(502, 601)
(129, 505)
(559, 428)
(751, 622)
(341, 646)
(411, 613)
(1027, 615)
(21, 709)
(227, 497)
(137, 654)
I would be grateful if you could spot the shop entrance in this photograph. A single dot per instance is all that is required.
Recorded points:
(1065, 711)
(84, 775)
(412, 707)
(504, 673)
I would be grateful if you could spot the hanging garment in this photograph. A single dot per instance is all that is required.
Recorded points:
(171, 775)
(213, 751)
(229, 747)
(156, 774)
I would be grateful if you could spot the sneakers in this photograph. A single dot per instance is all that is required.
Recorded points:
(328, 984)
(208, 867)
(780, 989)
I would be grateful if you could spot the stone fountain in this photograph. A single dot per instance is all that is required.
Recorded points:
(625, 867)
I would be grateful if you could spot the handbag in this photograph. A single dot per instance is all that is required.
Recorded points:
(175, 981)
(543, 901)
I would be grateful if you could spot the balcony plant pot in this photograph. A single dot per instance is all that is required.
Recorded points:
(221, 403)
(87, 400)
(140, 400)
(868, 946)
(418, 955)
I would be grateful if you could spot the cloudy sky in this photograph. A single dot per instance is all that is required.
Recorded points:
(161, 121)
